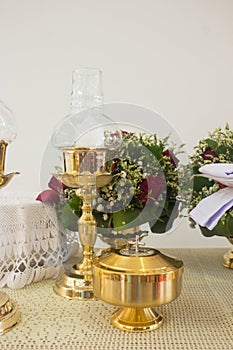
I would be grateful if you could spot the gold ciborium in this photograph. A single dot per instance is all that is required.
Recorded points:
(9, 313)
(84, 170)
(137, 279)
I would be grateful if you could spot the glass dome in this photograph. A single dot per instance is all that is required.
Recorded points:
(8, 127)
(87, 128)
(86, 109)
(132, 119)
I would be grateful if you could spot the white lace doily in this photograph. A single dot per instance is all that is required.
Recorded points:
(31, 246)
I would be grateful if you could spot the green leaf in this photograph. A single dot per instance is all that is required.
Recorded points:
(123, 218)
(211, 143)
(206, 232)
(156, 150)
(166, 219)
(68, 217)
(75, 203)
(229, 225)
(221, 149)
(221, 229)
(160, 225)
(218, 149)
(100, 222)
(199, 182)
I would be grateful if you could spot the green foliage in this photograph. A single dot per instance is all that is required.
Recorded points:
(121, 204)
(217, 148)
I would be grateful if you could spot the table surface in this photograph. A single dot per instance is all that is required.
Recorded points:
(200, 319)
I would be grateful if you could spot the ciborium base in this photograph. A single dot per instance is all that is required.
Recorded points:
(9, 313)
(228, 259)
(75, 285)
(132, 319)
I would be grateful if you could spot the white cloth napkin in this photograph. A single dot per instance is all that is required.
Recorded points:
(210, 209)
(221, 172)
(224, 170)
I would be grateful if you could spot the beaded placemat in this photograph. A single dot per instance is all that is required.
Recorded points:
(200, 319)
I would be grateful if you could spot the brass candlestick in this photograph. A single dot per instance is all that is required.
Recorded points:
(9, 313)
(78, 283)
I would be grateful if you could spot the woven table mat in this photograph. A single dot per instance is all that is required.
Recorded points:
(200, 319)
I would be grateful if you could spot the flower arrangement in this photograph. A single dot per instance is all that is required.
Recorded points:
(143, 189)
(216, 148)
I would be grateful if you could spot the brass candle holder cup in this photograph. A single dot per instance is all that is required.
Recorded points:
(137, 279)
(84, 170)
(9, 313)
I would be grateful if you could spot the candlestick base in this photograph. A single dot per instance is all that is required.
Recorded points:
(75, 285)
(228, 259)
(9, 314)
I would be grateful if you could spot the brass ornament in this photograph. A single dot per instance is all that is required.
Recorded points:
(4, 178)
(228, 257)
(78, 283)
(9, 314)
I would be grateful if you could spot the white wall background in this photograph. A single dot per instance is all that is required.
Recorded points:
(173, 56)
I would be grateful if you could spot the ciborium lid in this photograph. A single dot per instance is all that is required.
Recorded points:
(136, 259)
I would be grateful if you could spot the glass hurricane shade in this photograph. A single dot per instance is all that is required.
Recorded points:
(8, 127)
(86, 110)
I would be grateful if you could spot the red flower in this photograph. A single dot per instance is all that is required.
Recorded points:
(114, 164)
(209, 154)
(221, 185)
(173, 159)
(56, 184)
(151, 188)
(52, 196)
(48, 196)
